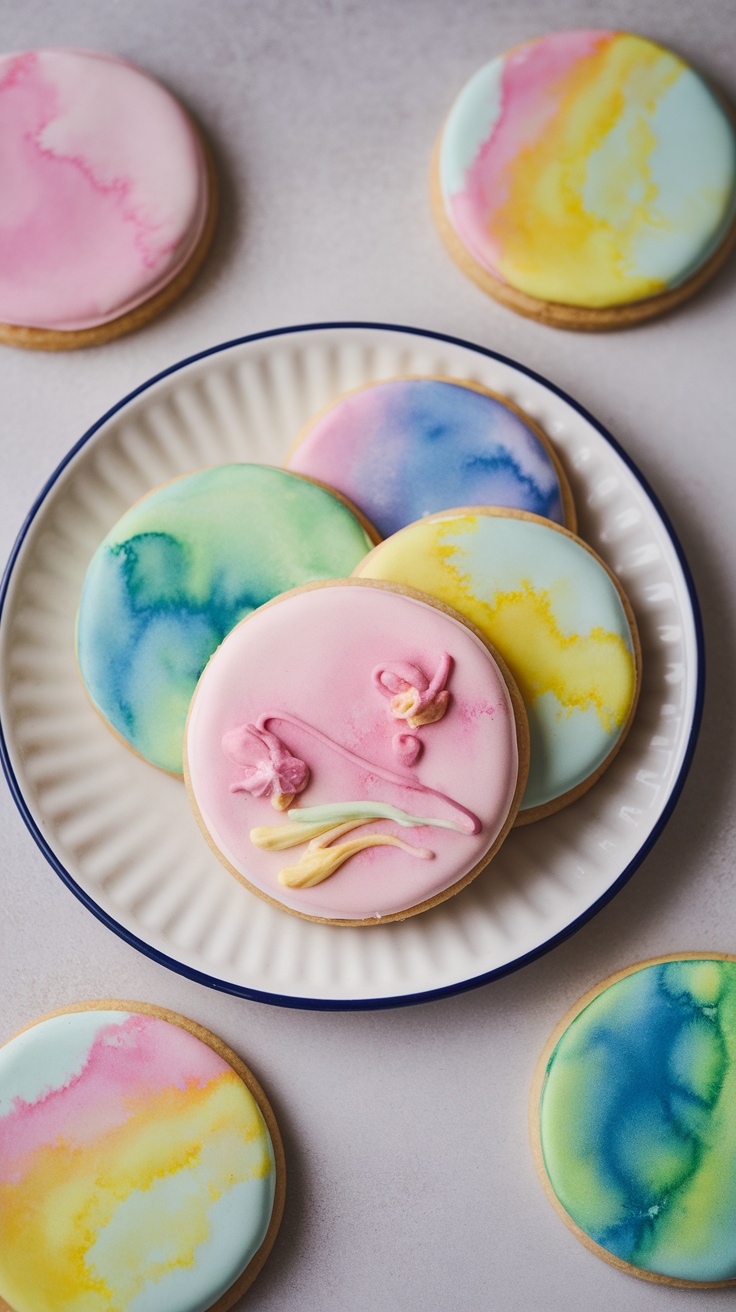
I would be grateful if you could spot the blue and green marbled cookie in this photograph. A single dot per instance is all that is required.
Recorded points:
(637, 1120)
(180, 569)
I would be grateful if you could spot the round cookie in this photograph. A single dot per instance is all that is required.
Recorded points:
(587, 179)
(408, 447)
(556, 615)
(178, 572)
(140, 1165)
(371, 762)
(632, 1118)
(107, 205)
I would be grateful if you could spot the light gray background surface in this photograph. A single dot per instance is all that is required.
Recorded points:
(411, 1184)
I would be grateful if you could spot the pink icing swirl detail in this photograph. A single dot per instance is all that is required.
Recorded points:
(277, 774)
(414, 697)
(474, 825)
(407, 747)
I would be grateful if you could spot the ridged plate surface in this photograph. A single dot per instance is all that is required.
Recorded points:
(122, 834)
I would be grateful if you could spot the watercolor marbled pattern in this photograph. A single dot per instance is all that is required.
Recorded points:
(408, 447)
(638, 1119)
(553, 614)
(136, 1171)
(590, 168)
(104, 188)
(178, 572)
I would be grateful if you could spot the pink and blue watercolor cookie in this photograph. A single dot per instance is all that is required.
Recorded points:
(558, 618)
(407, 447)
(141, 1166)
(107, 203)
(633, 1120)
(181, 568)
(587, 179)
(355, 753)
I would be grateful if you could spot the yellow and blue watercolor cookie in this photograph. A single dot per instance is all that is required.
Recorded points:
(587, 179)
(557, 617)
(633, 1119)
(140, 1165)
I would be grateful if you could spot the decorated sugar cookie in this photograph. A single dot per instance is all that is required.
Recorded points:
(555, 614)
(140, 1165)
(632, 1119)
(107, 198)
(180, 569)
(587, 179)
(407, 447)
(355, 753)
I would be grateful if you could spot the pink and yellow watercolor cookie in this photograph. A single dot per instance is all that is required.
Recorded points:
(140, 1165)
(587, 179)
(107, 200)
(355, 753)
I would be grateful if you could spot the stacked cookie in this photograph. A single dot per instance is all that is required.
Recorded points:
(371, 664)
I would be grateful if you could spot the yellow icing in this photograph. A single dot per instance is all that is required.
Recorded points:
(549, 243)
(320, 860)
(66, 1196)
(583, 671)
(276, 838)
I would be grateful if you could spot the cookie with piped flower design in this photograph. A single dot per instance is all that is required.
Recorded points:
(355, 753)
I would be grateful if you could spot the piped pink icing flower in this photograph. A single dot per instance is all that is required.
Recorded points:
(275, 774)
(414, 697)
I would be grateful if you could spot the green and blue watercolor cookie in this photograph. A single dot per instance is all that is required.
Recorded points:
(633, 1120)
(181, 568)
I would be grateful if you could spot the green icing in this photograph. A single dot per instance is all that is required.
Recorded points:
(180, 570)
(341, 812)
(638, 1119)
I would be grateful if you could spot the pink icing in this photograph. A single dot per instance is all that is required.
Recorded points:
(414, 697)
(104, 190)
(407, 747)
(532, 83)
(304, 665)
(409, 782)
(276, 774)
(128, 1061)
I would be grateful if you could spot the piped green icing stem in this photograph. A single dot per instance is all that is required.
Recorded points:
(337, 812)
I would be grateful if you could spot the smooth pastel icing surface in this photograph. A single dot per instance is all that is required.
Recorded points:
(104, 188)
(638, 1119)
(309, 661)
(178, 572)
(410, 446)
(591, 168)
(136, 1170)
(550, 610)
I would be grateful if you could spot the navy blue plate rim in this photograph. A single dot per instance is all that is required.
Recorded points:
(448, 990)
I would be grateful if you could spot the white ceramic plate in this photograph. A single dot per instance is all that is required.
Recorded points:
(121, 835)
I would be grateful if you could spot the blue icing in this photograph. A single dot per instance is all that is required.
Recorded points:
(458, 447)
(638, 1120)
(180, 570)
(410, 447)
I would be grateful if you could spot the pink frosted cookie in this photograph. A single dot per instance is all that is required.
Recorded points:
(106, 203)
(355, 752)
